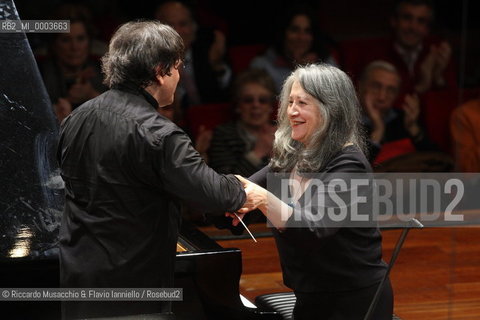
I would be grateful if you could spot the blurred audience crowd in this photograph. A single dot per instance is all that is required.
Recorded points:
(407, 81)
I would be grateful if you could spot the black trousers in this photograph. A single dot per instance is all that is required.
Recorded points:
(344, 305)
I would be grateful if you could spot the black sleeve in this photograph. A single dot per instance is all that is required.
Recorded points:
(260, 178)
(186, 176)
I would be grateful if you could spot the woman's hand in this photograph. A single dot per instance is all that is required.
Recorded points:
(256, 196)
(275, 210)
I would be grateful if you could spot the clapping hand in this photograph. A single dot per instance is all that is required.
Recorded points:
(411, 106)
(443, 53)
(378, 126)
(433, 67)
(217, 51)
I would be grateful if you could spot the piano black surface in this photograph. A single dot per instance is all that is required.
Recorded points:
(208, 274)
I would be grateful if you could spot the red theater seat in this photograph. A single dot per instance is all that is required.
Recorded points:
(394, 149)
(437, 108)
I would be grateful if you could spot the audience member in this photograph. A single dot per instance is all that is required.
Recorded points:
(425, 60)
(206, 75)
(378, 89)
(466, 136)
(298, 40)
(422, 60)
(71, 75)
(243, 146)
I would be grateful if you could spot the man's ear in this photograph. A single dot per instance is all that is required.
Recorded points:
(158, 75)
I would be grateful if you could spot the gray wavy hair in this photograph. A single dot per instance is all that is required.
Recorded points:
(339, 107)
(138, 49)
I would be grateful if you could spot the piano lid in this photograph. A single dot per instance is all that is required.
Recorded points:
(31, 189)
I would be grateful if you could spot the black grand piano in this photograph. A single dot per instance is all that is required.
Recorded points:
(31, 201)
(208, 291)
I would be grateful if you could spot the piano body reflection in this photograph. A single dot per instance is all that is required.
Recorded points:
(31, 203)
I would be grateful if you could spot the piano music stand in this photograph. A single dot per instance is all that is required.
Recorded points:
(412, 223)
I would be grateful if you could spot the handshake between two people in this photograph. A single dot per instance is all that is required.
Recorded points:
(262, 199)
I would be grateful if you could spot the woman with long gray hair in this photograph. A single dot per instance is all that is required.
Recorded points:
(334, 270)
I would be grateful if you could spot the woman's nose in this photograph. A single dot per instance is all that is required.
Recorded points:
(293, 112)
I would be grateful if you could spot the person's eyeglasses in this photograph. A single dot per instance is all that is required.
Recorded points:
(252, 99)
(186, 63)
(181, 65)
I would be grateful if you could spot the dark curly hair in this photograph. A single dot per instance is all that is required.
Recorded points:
(138, 49)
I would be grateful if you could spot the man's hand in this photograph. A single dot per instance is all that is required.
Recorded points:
(443, 53)
(378, 126)
(426, 72)
(256, 196)
(411, 106)
(277, 213)
(433, 67)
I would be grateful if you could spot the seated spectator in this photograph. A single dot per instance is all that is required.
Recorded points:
(423, 61)
(466, 136)
(378, 88)
(298, 40)
(71, 75)
(206, 76)
(243, 146)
